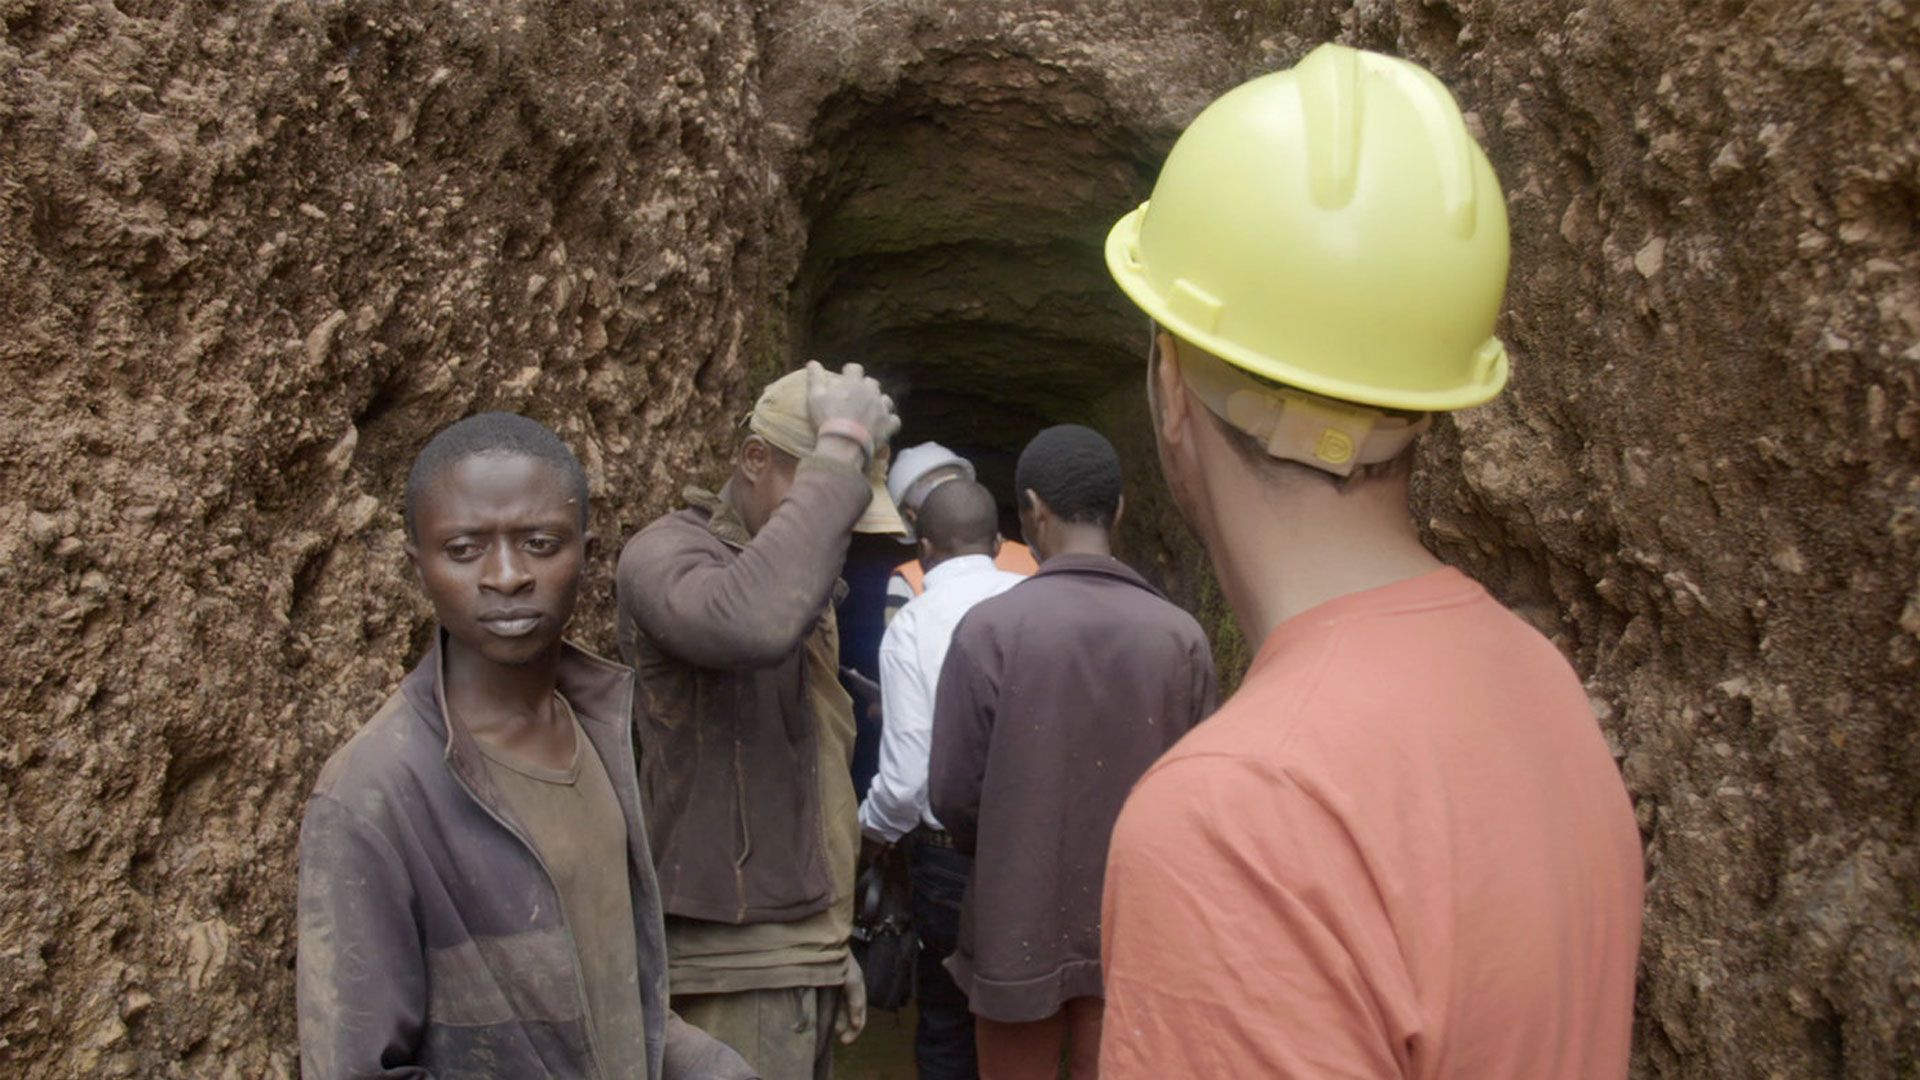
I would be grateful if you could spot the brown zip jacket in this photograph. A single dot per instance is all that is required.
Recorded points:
(715, 624)
(1056, 696)
(432, 941)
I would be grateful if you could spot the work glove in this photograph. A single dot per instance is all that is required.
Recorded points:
(851, 395)
(851, 1017)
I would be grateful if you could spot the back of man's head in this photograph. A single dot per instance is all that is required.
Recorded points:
(1075, 471)
(492, 433)
(959, 518)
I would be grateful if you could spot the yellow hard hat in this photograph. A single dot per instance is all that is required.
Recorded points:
(1332, 227)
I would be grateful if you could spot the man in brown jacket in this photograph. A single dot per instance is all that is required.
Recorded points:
(1054, 698)
(476, 894)
(746, 735)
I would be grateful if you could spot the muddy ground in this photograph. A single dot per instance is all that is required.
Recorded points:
(252, 255)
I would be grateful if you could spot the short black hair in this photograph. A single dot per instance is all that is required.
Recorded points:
(1075, 470)
(957, 516)
(492, 433)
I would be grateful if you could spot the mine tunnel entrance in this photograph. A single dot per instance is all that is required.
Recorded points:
(954, 248)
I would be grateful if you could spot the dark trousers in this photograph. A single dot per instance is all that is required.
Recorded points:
(943, 1044)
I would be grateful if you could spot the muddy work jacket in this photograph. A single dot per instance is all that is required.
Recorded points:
(1055, 697)
(716, 625)
(432, 942)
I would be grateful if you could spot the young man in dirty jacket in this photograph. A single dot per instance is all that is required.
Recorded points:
(476, 894)
(726, 613)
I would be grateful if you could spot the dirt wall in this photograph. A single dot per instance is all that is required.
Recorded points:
(1705, 484)
(251, 256)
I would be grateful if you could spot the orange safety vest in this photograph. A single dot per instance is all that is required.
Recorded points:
(1013, 558)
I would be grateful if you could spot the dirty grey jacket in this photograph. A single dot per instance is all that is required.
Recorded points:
(715, 625)
(432, 942)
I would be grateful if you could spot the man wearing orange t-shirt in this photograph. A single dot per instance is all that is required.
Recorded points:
(1402, 849)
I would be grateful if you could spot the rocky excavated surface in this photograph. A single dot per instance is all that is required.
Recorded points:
(252, 255)
(1706, 485)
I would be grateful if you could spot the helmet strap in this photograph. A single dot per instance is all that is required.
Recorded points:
(1294, 425)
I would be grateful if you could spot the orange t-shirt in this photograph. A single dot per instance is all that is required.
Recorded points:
(1014, 558)
(1401, 850)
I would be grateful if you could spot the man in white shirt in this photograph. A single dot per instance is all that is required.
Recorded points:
(916, 473)
(958, 530)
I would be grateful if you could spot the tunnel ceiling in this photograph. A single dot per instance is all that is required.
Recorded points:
(955, 228)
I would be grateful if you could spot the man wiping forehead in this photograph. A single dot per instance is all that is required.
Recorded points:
(726, 612)
(476, 893)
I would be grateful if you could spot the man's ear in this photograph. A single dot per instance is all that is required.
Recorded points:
(1170, 389)
(1035, 505)
(998, 542)
(754, 458)
(1119, 511)
(412, 548)
(923, 547)
(1030, 523)
(591, 541)
(1036, 517)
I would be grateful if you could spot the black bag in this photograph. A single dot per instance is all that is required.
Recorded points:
(884, 942)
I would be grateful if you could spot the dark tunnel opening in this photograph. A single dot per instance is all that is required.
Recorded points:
(954, 248)
(955, 241)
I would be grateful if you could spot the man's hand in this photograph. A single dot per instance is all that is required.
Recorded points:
(871, 849)
(858, 680)
(851, 1018)
(692, 1054)
(854, 400)
(864, 689)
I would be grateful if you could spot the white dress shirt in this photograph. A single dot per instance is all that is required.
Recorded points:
(911, 653)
